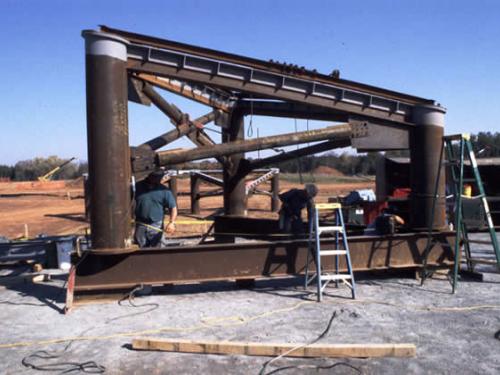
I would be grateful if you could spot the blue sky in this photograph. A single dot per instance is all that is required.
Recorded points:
(443, 50)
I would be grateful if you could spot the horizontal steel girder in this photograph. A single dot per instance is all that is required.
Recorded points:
(250, 260)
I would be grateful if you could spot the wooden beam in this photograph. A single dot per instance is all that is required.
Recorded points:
(274, 349)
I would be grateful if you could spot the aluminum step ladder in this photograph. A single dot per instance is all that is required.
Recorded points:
(456, 164)
(341, 249)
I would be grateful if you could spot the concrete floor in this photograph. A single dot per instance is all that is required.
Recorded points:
(449, 341)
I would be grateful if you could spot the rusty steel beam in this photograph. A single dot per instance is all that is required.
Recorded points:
(337, 132)
(233, 177)
(107, 139)
(251, 260)
(426, 142)
(181, 130)
(184, 89)
(178, 118)
(268, 66)
(304, 151)
(290, 109)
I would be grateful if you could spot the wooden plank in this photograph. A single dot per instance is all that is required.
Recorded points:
(275, 349)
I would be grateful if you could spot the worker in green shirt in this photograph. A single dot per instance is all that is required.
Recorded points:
(152, 198)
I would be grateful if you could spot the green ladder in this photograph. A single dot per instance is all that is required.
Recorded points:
(456, 165)
(315, 252)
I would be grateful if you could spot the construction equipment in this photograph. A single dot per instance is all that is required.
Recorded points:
(315, 251)
(48, 176)
(456, 168)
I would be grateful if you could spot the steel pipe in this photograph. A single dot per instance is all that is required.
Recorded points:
(107, 135)
(426, 141)
(337, 132)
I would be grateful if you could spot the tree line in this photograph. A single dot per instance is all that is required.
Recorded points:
(30, 170)
(485, 144)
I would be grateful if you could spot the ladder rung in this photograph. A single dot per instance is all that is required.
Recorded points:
(330, 229)
(482, 261)
(481, 242)
(453, 137)
(479, 196)
(327, 206)
(336, 277)
(332, 252)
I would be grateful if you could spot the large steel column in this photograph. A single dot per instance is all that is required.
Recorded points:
(426, 141)
(233, 176)
(107, 139)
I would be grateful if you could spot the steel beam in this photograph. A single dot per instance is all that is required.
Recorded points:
(339, 133)
(178, 118)
(162, 51)
(290, 109)
(107, 139)
(210, 98)
(235, 198)
(426, 142)
(310, 150)
(251, 260)
(181, 130)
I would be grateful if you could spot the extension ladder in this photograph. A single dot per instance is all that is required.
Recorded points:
(315, 252)
(456, 166)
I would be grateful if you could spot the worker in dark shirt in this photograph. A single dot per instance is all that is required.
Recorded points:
(293, 201)
(152, 198)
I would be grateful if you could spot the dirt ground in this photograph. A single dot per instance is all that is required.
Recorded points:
(453, 333)
(53, 208)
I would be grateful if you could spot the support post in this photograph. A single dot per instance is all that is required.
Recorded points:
(107, 139)
(195, 194)
(233, 175)
(275, 190)
(172, 185)
(426, 141)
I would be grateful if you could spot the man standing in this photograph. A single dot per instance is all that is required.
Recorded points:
(152, 198)
(293, 201)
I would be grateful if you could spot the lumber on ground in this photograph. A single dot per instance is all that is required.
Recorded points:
(275, 349)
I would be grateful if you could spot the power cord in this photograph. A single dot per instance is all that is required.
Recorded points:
(130, 298)
(89, 367)
(322, 335)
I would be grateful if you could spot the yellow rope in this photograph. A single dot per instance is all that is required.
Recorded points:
(238, 320)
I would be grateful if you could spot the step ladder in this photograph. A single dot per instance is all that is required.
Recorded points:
(455, 163)
(341, 249)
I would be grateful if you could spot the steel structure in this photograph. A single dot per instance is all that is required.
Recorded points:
(122, 66)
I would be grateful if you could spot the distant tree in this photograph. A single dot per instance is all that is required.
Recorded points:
(486, 144)
(30, 170)
(6, 171)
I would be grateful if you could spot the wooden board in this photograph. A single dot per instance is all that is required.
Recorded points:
(275, 349)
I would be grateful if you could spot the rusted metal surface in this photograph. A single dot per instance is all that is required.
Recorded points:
(304, 151)
(138, 39)
(337, 132)
(235, 197)
(181, 130)
(178, 118)
(212, 99)
(426, 144)
(275, 189)
(108, 148)
(249, 260)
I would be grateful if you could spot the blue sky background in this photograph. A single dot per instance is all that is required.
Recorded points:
(443, 50)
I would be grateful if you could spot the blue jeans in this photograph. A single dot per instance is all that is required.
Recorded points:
(149, 235)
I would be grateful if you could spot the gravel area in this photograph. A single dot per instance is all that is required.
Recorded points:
(454, 333)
